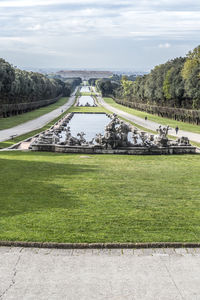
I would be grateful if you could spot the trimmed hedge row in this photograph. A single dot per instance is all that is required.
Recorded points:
(178, 114)
(7, 110)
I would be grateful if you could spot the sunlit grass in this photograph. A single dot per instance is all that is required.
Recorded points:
(99, 198)
(86, 94)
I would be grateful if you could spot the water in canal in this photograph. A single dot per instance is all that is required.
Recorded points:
(85, 89)
(89, 123)
(83, 100)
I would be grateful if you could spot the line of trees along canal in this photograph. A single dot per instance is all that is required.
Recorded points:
(169, 90)
(22, 91)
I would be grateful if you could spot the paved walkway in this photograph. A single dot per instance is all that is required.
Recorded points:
(148, 124)
(117, 274)
(36, 123)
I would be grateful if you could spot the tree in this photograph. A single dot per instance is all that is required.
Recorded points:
(19, 86)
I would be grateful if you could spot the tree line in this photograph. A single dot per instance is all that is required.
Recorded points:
(19, 88)
(175, 83)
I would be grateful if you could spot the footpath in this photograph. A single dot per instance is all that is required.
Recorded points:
(36, 123)
(88, 274)
(195, 137)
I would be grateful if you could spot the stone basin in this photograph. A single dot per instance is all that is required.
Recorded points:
(89, 123)
(85, 100)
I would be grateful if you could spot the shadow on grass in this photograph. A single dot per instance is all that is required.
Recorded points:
(34, 185)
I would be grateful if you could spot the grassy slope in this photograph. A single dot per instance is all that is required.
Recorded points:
(87, 109)
(86, 93)
(160, 120)
(10, 122)
(101, 198)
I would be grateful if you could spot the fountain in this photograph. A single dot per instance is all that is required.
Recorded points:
(118, 137)
(87, 101)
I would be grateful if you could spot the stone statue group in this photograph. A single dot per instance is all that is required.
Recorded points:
(118, 134)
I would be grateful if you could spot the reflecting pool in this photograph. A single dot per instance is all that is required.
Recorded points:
(85, 89)
(89, 123)
(85, 100)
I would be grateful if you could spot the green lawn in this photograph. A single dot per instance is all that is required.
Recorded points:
(100, 198)
(10, 122)
(87, 109)
(159, 120)
(86, 94)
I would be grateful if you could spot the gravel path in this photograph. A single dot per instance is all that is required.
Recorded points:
(36, 123)
(116, 274)
(195, 137)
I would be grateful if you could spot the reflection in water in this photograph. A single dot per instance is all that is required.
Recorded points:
(85, 89)
(90, 124)
(83, 100)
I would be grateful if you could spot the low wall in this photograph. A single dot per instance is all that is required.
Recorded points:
(128, 151)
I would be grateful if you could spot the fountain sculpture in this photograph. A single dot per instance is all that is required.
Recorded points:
(119, 137)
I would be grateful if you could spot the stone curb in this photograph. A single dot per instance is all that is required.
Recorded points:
(97, 245)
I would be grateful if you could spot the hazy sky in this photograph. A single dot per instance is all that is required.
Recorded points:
(133, 34)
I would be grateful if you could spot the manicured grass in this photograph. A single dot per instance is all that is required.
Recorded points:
(86, 94)
(10, 122)
(87, 109)
(99, 198)
(160, 120)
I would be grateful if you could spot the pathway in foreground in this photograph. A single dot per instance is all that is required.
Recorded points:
(36, 123)
(195, 137)
(99, 274)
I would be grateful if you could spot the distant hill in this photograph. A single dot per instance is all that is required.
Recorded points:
(84, 74)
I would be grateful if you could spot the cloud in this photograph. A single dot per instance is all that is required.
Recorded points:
(68, 27)
(137, 5)
(32, 3)
(166, 45)
(35, 27)
(99, 22)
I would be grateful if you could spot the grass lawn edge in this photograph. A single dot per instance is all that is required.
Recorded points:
(51, 245)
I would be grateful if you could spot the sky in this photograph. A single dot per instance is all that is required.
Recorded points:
(103, 34)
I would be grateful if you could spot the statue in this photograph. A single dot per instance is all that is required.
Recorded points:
(183, 141)
(123, 131)
(162, 139)
(82, 140)
(116, 134)
(99, 139)
(48, 137)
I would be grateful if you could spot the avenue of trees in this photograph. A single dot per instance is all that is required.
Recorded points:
(21, 91)
(175, 84)
(171, 89)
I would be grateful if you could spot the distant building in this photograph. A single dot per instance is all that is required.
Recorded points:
(84, 74)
